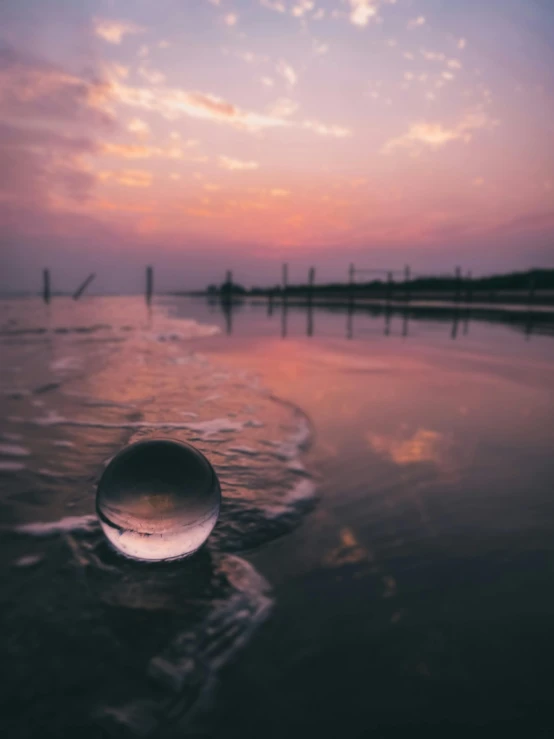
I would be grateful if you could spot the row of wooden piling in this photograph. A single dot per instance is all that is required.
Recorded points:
(391, 287)
(47, 292)
(352, 285)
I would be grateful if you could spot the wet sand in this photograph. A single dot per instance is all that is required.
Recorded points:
(412, 594)
(416, 598)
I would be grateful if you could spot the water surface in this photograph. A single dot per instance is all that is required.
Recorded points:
(383, 563)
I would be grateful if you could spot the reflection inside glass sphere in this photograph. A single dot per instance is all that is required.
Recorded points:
(158, 500)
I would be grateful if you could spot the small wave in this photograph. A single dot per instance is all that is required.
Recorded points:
(11, 466)
(244, 450)
(22, 331)
(16, 394)
(205, 428)
(65, 363)
(266, 493)
(46, 388)
(197, 330)
(45, 472)
(298, 495)
(184, 672)
(10, 437)
(28, 560)
(288, 449)
(12, 450)
(61, 526)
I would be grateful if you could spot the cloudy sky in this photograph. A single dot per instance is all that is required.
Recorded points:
(202, 135)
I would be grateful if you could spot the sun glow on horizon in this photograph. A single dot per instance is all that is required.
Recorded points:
(304, 125)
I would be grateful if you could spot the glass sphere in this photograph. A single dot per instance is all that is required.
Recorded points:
(157, 500)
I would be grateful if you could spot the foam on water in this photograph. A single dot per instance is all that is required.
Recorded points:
(205, 428)
(244, 450)
(207, 610)
(12, 450)
(65, 363)
(11, 466)
(30, 560)
(63, 525)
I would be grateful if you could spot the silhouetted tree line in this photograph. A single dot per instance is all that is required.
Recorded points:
(542, 279)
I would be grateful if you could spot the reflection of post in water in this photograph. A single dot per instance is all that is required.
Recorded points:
(405, 321)
(529, 323)
(469, 298)
(310, 327)
(351, 273)
(350, 320)
(284, 311)
(226, 298)
(388, 297)
(227, 308)
(458, 286)
(387, 319)
(455, 322)
(531, 296)
(530, 301)
(284, 299)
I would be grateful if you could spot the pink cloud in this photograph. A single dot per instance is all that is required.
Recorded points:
(32, 87)
(113, 31)
(38, 165)
(437, 135)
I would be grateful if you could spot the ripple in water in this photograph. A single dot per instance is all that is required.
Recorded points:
(158, 500)
(159, 634)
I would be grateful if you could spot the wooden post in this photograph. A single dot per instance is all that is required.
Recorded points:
(351, 277)
(530, 301)
(469, 298)
(226, 293)
(46, 285)
(285, 281)
(149, 284)
(407, 295)
(389, 287)
(531, 296)
(458, 285)
(81, 289)
(469, 287)
(311, 277)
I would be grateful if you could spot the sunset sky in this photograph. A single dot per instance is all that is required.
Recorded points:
(205, 135)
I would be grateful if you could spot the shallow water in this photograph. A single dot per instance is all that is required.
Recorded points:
(409, 465)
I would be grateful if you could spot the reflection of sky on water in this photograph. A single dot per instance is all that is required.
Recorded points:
(423, 445)
(432, 460)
